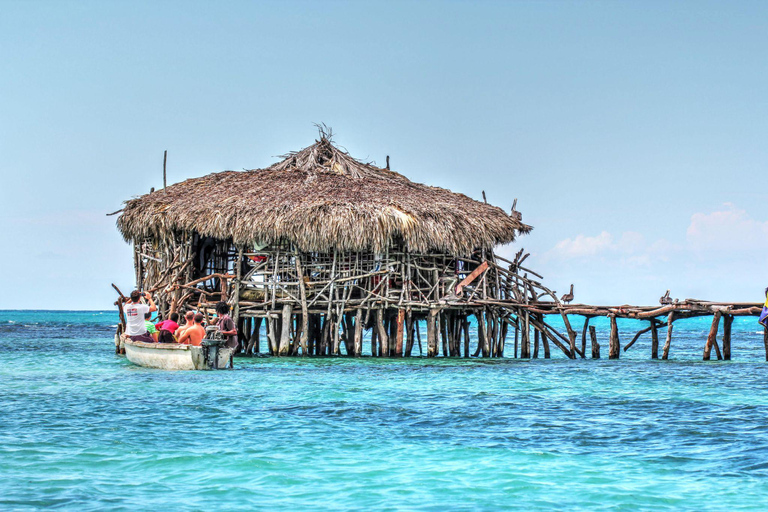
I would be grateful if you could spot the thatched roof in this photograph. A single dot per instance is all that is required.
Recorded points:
(321, 198)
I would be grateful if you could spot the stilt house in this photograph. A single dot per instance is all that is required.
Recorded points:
(329, 251)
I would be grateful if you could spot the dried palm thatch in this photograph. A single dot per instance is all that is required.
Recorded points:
(321, 198)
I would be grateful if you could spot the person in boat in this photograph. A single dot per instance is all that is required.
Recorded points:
(151, 330)
(764, 315)
(135, 326)
(194, 334)
(170, 324)
(189, 321)
(226, 325)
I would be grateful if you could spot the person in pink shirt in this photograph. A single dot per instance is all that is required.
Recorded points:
(171, 324)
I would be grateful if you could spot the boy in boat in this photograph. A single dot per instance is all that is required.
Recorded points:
(194, 334)
(135, 328)
(226, 325)
(764, 315)
(150, 326)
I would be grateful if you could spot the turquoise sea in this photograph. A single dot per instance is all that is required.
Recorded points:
(81, 428)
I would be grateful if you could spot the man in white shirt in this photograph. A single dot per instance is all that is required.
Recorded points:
(135, 328)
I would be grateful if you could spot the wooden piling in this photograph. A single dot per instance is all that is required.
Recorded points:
(535, 343)
(525, 338)
(400, 327)
(382, 331)
(595, 345)
(712, 337)
(614, 347)
(654, 339)
(432, 332)
(727, 337)
(668, 342)
(584, 338)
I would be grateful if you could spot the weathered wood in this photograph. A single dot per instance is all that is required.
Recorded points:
(668, 342)
(614, 346)
(535, 343)
(595, 344)
(432, 332)
(465, 327)
(358, 338)
(654, 340)
(728, 321)
(712, 337)
(285, 333)
(409, 334)
(584, 338)
(471, 277)
(382, 332)
(525, 338)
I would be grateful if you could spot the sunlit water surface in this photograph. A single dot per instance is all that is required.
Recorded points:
(81, 428)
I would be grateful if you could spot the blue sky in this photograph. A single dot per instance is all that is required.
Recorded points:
(632, 133)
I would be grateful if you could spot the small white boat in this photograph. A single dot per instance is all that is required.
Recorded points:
(175, 356)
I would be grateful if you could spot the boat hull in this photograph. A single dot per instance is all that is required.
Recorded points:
(173, 356)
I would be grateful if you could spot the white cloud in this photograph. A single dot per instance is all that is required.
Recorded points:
(583, 246)
(729, 229)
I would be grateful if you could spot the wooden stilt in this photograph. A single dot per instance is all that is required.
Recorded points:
(614, 347)
(432, 333)
(654, 339)
(584, 338)
(285, 333)
(535, 343)
(727, 337)
(668, 342)
(595, 344)
(465, 326)
(525, 340)
(408, 334)
(383, 338)
(400, 330)
(712, 337)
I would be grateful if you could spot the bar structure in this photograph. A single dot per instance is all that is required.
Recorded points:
(324, 251)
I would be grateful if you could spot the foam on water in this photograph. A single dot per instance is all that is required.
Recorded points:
(82, 428)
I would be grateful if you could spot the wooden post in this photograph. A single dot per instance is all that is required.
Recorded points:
(383, 337)
(408, 334)
(525, 338)
(465, 328)
(285, 333)
(584, 338)
(654, 339)
(668, 342)
(545, 344)
(253, 342)
(165, 159)
(238, 276)
(727, 337)
(712, 337)
(535, 343)
(614, 347)
(432, 333)
(374, 340)
(272, 336)
(595, 344)
(358, 340)
(224, 286)
(304, 309)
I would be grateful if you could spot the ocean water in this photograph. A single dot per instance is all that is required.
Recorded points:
(81, 428)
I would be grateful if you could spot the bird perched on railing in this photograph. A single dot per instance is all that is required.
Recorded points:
(568, 297)
(665, 299)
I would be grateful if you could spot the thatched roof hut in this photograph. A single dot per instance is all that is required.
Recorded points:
(321, 198)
